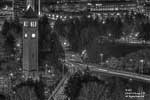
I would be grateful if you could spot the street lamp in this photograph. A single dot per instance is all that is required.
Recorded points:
(18, 45)
(49, 71)
(131, 79)
(20, 69)
(11, 74)
(141, 67)
(10, 77)
(101, 55)
(107, 61)
(63, 65)
(23, 76)
(109, 34)
(84, 55)
(46, 66)
(130, 60)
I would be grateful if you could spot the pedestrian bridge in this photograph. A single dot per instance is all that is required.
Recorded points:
(99, 70)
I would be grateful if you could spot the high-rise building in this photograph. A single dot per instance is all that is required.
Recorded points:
(6, 9)
(111, 7)
(19, 7)
(30, 44)
(147, 7)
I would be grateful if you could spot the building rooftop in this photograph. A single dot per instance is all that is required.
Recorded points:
(29, 13)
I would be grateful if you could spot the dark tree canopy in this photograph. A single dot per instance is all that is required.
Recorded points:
(37, 86)
(50, 49)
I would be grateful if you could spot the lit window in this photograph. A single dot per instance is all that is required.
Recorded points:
(33, 24)
(25, 24)
(33, 35)
(25, 35)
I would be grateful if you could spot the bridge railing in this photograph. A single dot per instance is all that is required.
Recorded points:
(119, 73)
(61, 83)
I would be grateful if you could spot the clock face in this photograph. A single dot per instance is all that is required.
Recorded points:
(33, 35)
(26, 35)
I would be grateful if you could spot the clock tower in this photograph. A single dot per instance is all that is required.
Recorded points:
(30, 44)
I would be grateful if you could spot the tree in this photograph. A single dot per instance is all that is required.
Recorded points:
(44, 39)
(145, 34)
(60, 27)
(87, 36)
(12, 32)
(9, 44)
(73, 86)
(39, 89)
(30, 90)
(91, 91)
(26, 93)
(114, 63)
(118, 28)
(50, 48)
(2, 97)
(132, 61)
(5, 28)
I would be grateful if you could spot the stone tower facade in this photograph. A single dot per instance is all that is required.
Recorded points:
(30, 44)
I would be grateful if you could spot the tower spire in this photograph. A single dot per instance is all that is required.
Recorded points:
(30, 3)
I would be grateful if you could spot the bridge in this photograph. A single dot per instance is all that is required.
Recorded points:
(110, 72)
(96, 70)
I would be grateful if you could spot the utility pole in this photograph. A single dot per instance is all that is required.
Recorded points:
(13, 15)
(39, 7)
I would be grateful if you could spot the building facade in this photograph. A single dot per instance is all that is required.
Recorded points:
(19, 7)
(6, 9)
(113, 6)
(147, 7)
(30, 44)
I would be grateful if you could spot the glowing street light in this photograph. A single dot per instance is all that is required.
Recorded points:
(65, 43)
(46, 67)
(57, 16)
(101, 55)
(107, 61)
(130, 60)
(65, 17)
(103, 22)
(61, 17)
(49, 71)
(18, 59)
(20, 69)
(11, 74)
(70, 17)
(130, 79)
(18, 45)
(141, 67)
